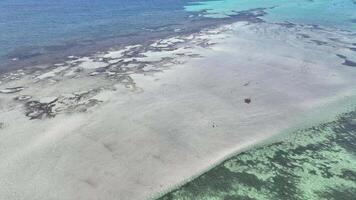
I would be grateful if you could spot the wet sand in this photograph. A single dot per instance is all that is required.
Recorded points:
(135, 122)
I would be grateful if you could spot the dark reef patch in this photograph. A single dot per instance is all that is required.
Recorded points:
(346, 62)
(319, 42)
(287, 24)
(304, 35)
(38, 110)
(341, 56)
(349, 63)
(252, 15)
(353, 49)
(11, 90)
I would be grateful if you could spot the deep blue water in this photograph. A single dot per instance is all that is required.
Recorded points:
(36, 23)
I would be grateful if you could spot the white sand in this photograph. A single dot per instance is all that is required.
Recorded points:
(172, 125)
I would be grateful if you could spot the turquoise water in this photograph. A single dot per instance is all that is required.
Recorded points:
(330, 13)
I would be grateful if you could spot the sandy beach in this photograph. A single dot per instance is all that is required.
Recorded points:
(132, 123)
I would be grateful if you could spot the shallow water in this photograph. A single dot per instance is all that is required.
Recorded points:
(330, 13)
(314, 163)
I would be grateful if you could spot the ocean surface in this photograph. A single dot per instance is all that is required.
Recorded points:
(34, 28)
(26, 26)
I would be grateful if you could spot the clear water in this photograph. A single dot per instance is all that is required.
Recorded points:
(339, 14)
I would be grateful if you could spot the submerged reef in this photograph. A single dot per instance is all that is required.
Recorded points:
(314, 163)
(107, 68)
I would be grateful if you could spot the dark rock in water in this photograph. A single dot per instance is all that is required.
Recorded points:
(214, 125)
(247, 84)
(349, 63)
(346, 61)
(50, 107)
(38, 110)
(316, 27)
(248, 100)
(304, 35)
(101, 69)
(11, 90)
(353, 49)
(319, 42)
(287, 24)
(341, 56)
(78, 70)
(252, 15)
